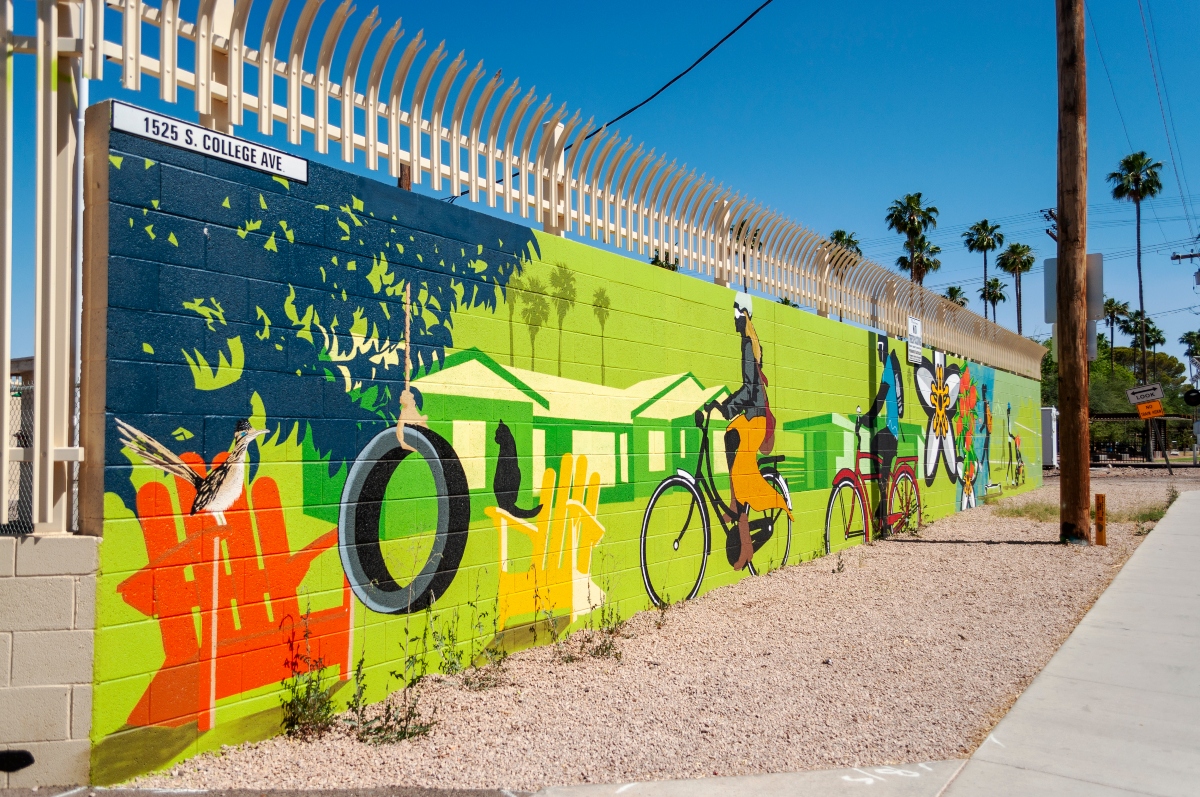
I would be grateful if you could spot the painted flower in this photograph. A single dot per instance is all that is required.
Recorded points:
(937, 388)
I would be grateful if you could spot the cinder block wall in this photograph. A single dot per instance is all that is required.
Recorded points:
(47, 620)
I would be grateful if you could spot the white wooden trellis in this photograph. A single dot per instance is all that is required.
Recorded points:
(547, 164)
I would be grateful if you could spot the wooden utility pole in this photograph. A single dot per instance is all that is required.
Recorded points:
(1072, 275)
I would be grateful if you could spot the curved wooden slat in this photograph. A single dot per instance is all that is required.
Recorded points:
(435, 119)
(324, 61)
(510, 136)
(349, 98)
(266, 67)
(296, 66)
(374, 86)
(475, 144)
(415, 112)
(456, 125)
(237, 58)
(491, 152)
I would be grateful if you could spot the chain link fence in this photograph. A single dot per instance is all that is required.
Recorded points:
(20, 474)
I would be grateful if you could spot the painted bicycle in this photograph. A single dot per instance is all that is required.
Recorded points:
(850, 513)
(676, 536)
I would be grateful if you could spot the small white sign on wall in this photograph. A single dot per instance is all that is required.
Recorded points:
(914, 340)
(177, 133)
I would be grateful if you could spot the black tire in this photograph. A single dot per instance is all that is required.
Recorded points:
(772, 553)
(682, 514)
(359, 522)
(851, 514)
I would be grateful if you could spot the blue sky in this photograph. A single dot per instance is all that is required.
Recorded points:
(828, 112)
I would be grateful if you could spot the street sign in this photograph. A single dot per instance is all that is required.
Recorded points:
(914, 340)
(1144, 393)
(1095, 289)
(1150, 409)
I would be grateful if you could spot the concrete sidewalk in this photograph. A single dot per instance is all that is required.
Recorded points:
(1117, 710)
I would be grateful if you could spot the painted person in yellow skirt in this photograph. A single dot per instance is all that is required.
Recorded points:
(751, 432)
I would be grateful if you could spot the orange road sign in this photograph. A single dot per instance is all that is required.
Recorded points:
(1150, 409)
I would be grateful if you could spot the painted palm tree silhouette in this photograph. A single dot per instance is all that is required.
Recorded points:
(600, 306)
(984, 237)
(515, 286)
(562, 296)
(1137, 179)
(534, 312)
(1016, 260)
(1114, 311)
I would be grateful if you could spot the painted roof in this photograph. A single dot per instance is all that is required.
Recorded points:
(473, 373)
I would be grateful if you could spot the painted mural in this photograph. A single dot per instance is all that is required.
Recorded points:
(344, 410)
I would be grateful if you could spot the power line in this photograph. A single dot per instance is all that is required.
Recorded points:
(1112, 88)
(660, 90)
(1162, 110)
(1167, 94)
(695, 64)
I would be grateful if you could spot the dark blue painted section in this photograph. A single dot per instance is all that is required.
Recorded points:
(185, 229)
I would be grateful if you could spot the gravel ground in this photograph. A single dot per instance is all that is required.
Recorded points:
(912, 652)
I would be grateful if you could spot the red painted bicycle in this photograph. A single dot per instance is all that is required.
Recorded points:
(850, 504)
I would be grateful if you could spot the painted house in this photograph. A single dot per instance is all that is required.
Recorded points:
(633, 437)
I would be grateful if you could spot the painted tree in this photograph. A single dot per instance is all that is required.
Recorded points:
(562, 296)
(956, 294)
(535, 311)
(515, 286)
(600, 306)
(921, 259)
(993, 293)
(846, 240)
(984, 237)
(911, 218)
(1016, 260)
(1137, 179)
(1114, 311)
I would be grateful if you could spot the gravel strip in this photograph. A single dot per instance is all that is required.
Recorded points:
(912, 652)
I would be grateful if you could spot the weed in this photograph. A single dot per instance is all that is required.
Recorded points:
(1040, 511)
(841, 565)
(445, 642)
(1172, 493)
(307, 702)
(398, 718)
(1140, 529)
(662, 608)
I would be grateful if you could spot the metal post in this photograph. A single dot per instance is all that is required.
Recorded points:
(6, 129)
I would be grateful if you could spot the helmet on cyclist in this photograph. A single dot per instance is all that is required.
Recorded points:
(743, 303)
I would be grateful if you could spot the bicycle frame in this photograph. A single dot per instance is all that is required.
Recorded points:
(878, 522)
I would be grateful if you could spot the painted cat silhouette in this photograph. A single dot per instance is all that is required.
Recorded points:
(507, 482)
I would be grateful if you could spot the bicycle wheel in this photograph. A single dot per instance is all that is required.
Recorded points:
(904, 503)
(771, 531)
(846, 515)
(676, 539)
(403, 523)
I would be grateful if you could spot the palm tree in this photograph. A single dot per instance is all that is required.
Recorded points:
(1016, 260)
(956, 294)
(515, 286)
(984, 237)
(921, 259)
(562, 295)
(600, 306)
(1154, 339)
(534, 314)
(846, 240)
(1136, 179)
(993, 293)
(911, 219)
(1114, 311)
(1192, 341)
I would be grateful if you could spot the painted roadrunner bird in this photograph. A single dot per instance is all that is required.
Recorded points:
(215, 492)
